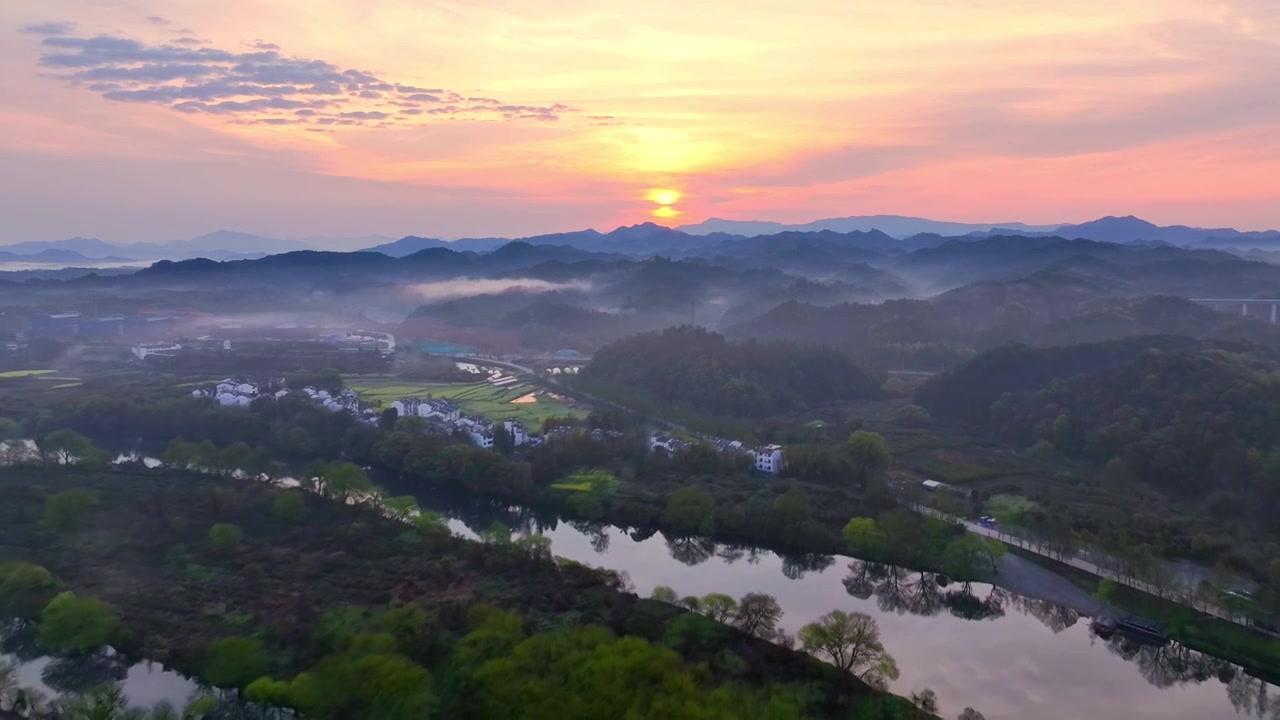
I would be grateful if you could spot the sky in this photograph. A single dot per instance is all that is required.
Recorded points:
(156, 120)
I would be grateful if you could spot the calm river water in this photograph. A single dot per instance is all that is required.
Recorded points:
(979, 646)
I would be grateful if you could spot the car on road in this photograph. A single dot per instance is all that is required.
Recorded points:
(987, 521)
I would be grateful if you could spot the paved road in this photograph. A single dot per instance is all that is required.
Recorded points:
(1076, 562)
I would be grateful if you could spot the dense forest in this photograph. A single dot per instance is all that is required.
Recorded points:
(1173, 439)
(1199, 425)
(703, 371)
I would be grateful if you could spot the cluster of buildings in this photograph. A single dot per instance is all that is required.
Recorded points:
(766, 458)
(238, 392)
(445, 417)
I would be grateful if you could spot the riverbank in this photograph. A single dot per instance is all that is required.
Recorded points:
(147, 546)
(1258, 653)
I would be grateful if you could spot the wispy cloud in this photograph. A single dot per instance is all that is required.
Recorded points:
(261, 85)
(49, 28)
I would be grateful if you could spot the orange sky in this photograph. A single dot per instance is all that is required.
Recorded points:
(156, 120)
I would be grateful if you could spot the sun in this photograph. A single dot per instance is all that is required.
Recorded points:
(665, 212)
(664, 197)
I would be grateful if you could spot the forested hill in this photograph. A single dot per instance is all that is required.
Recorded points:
(1194, 420)
(967, 392)
(1049, 308)
(704, 372)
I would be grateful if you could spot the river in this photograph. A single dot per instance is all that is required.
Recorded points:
(975, 645)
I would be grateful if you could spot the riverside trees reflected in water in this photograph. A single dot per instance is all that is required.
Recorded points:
(974, 644)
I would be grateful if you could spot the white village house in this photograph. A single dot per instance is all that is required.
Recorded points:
(768, 459)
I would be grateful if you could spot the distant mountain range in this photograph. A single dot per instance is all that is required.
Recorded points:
(57, 256)
(895, 225)
(711, 237)
(220, 245)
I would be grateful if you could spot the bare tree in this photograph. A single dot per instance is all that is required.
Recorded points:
(758, 615)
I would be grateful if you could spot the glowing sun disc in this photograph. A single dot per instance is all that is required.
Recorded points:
(664, 197)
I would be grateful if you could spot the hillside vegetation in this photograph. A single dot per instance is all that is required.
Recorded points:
(703, 371)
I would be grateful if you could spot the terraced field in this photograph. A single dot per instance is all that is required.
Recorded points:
(481, 398)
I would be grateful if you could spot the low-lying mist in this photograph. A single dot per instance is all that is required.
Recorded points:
(467, 287)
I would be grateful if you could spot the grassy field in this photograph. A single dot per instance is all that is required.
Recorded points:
(1009, 506)
(475, 398)
(23, 373)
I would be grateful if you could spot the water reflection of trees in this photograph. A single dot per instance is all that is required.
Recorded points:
(1171, 664)
(597, 534)
(691, 550)
(796, 567)
(903, 591)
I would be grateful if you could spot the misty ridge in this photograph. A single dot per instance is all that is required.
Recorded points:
(923, 302)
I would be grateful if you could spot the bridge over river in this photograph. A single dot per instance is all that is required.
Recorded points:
(1244, 303)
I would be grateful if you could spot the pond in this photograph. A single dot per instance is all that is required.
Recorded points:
(973, 644)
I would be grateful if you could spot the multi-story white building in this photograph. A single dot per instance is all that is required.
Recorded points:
(768, 459)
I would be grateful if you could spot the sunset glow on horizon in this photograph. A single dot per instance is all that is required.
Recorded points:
(158, 120)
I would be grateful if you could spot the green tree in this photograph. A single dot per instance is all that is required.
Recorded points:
(792, 507)
(237, 456)
(962, 555)
(718, 607)
(65, 447)
(1106, 591)
(233, 662)
(662, 593)
(862, 535)
(851, 642)
(266, 691)
(288, 507)
(401, 507)
(179, 454)
(343, 481)
(868, 454)
(588, 673)
(496, 534)
(71, 624)
(503, 442)
(25, 589)
(9, 429)
(224, 539)
(758, 614)
(369, 681)
(690, 510)
(207, 457)
(994, 550)
(66, 510)
(431, 525)
(534, 546)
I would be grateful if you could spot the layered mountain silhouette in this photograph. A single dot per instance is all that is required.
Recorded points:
(708, 238)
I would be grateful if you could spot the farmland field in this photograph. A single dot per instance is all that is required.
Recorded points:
(482, 398)
(23, 373)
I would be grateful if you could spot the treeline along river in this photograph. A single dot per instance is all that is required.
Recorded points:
(974, 644)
